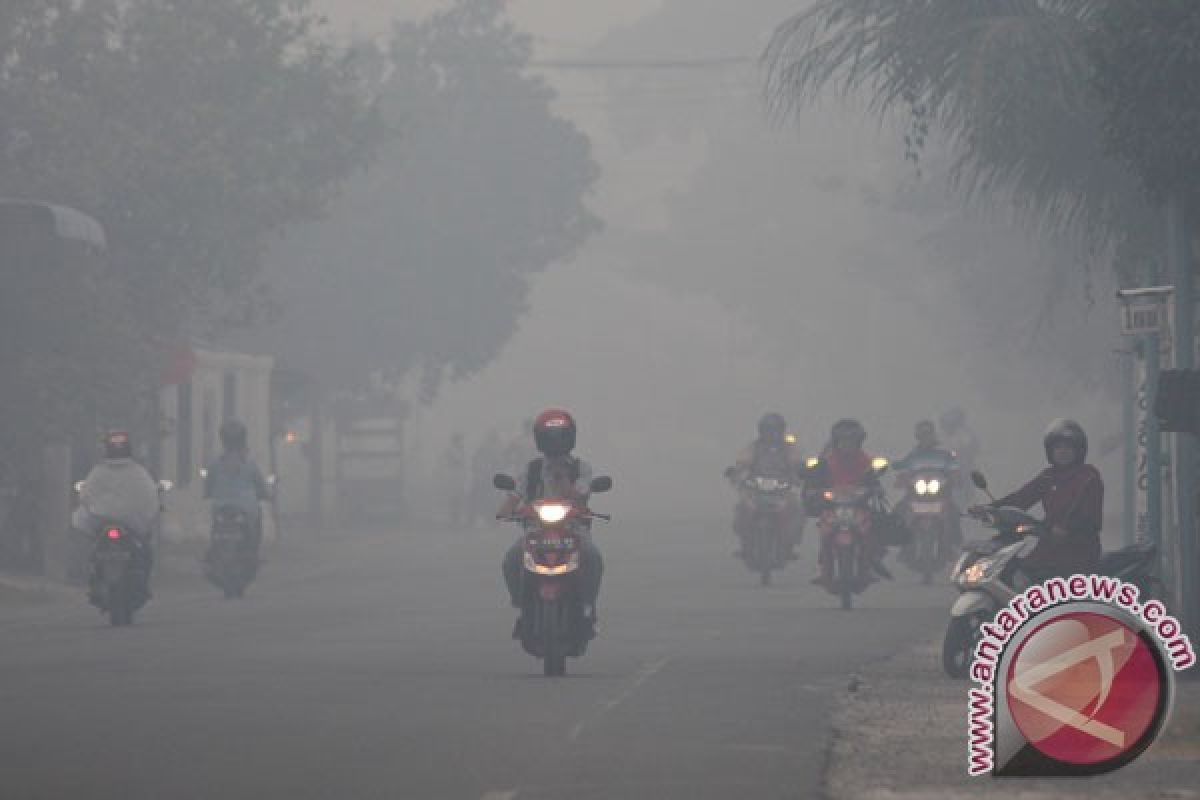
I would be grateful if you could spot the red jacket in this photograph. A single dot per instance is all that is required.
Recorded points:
(847, 469)
(1073, 499)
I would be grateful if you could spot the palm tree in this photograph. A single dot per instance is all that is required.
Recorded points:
(1007, 81)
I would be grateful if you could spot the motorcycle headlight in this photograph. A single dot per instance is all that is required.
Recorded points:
(551, 513)
(980, 571)
(921, 486)
(933, 486)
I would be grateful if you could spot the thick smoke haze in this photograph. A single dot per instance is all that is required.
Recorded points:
(748, 266)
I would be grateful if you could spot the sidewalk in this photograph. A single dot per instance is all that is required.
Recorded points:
(900, 733)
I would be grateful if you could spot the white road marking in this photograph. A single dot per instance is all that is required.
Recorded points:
(644, 674)
(499, 795)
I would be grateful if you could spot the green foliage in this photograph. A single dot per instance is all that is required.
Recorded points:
(191, 131)
(425, 262)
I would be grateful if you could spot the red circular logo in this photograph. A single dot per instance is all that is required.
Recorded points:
(1085, 688)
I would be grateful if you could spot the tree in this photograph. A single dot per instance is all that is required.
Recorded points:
(1007, 82)
(425, 262)
(1147, 74)
(192, 131)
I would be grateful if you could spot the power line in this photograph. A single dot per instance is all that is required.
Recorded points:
(686, 63)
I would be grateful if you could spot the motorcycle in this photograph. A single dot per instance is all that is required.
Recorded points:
(989, 575)
(232, 561)
(930, 516)
(768, 546)
(119, 567)
(552, 624)
(846, 517)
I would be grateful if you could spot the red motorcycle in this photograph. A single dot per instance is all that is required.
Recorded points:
(552, 624)
(846, 517)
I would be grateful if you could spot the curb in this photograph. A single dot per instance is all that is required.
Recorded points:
(901, 733)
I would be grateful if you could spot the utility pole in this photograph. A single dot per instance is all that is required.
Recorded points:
(1128, 444)
(1144, 310)
(1179, 260)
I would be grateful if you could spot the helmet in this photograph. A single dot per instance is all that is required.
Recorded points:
(554, 432)
(233, 435)
(772, 427)
(117, 445)
(925, 430)
(848, 429)
(1065, 431)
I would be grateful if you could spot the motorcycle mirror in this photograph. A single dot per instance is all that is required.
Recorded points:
(979, 481)
(601, 484)
(504, 482)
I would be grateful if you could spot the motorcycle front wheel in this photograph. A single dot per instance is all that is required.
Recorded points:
(554, 630)
(958, 646)
(845, 576)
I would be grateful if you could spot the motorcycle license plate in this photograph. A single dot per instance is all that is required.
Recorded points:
(927, 508)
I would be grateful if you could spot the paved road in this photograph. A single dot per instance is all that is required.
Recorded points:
(383, 669)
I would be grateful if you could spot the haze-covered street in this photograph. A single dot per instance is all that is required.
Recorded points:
(342, 284)
(380, 666)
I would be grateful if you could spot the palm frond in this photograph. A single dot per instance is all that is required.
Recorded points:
(1006, 80)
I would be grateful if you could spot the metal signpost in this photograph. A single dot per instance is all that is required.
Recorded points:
(1144, 319)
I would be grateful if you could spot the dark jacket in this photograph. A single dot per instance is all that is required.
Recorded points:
(1073, 499)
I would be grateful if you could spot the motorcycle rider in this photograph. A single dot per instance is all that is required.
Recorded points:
(772, 454)
(844, 464)
(929, 451)
(121, 491)
(1071, 492)
(556, 473)
(233, 479)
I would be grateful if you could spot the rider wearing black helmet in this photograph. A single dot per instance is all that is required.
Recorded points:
(233, 479)
(773, 455)
(120, 490)
(1071, 492)
(844, 463)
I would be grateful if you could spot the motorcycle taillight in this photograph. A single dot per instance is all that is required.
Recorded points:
(113, 533)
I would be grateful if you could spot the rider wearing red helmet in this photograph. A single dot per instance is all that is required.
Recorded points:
(557, 473)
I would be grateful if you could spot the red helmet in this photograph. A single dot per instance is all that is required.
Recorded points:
(554, 432)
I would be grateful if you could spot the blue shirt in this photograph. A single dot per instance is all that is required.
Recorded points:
(236, 481)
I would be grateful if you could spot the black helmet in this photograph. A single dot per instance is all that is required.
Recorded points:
(1065, 431)
(233, 435)
(117, 444)
(772, 427)
(848, 429)
(554, 432)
